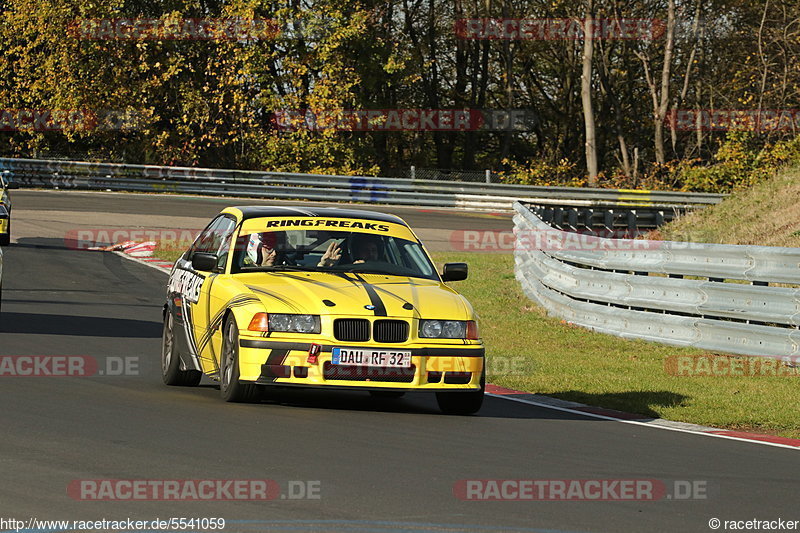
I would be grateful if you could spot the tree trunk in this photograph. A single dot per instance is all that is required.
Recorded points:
(586, 96)
(661, 111)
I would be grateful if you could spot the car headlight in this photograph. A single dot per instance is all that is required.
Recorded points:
(285, 323)
(448, 329)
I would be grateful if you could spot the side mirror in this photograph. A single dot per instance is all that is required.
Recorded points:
(454, 271)
(204, 262)
(12, 185)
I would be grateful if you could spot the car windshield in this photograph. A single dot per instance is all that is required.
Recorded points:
(331, 251)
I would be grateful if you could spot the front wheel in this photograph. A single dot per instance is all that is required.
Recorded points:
(171, 371)
(462, 403)
(231, 389)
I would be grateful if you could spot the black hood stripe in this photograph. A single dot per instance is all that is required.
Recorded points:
(414, 307)
(374, 298)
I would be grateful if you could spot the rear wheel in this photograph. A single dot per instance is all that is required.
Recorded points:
(462, 403)
(231, 389)
(171, 371)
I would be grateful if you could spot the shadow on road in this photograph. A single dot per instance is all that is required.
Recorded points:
(82, 326)
(641, 402)
(493, 407)
(40, 242)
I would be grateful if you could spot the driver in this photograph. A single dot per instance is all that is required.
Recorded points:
(267, 249)
(267, 252)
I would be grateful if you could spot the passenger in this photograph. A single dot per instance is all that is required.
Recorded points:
(363, 248)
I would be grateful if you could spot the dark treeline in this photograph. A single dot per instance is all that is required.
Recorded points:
(594, 110)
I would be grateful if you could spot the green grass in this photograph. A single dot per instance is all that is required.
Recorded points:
(527, 350)
(170, 253)
(766, 214)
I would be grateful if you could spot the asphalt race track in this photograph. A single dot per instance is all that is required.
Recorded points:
(380, 465)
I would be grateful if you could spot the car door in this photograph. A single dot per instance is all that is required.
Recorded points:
(217, 300)
(215, 239)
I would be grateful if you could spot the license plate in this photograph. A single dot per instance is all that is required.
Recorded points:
(368, 357)
(3, 224)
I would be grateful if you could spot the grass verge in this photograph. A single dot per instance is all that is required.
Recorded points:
(170, 253)
(765, 214)
(527, 350)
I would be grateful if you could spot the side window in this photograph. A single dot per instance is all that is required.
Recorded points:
(224, 233)
(215, 239)
(201, 242)
(413, 254)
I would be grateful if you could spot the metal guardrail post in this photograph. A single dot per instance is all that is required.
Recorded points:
(608, 221)
(572, 218)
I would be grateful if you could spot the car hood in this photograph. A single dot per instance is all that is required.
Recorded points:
(355, 294)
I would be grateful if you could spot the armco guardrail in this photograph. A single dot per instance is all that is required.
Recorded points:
(620, 218)
(612, 286)
(281, 185)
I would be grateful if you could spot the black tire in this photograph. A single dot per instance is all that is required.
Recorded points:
(462, 403)
(387, 393)
(171, 371)
(230, 388)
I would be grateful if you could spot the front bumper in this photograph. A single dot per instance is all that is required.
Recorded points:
(433, 367)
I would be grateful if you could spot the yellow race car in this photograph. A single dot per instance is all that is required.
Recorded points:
(319, 297)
